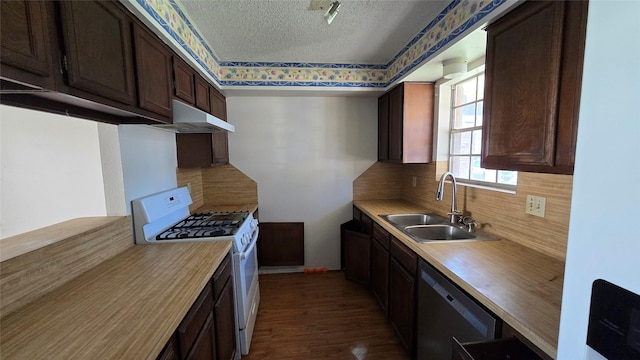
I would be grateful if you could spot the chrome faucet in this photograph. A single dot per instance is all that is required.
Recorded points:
(439, 195)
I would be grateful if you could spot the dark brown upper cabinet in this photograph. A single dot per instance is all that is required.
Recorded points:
(220, 143)
(202, 94)
(98, 47)
(24, 38)
(405, 123)
(218, 104)
(532, 89)
(153, 69)
(202, 150)
(205, 150)
(184, 88)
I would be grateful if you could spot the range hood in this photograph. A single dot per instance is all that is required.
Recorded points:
(187, 119)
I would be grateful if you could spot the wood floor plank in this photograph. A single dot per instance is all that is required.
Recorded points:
(320, 316)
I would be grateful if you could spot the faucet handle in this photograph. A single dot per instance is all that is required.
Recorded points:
(469, 222)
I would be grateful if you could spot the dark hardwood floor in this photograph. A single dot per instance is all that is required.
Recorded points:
(320, 316)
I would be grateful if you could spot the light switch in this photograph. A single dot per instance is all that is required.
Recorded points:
(535, 205)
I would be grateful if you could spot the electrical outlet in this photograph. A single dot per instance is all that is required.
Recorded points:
(414, 181)
(535, 205)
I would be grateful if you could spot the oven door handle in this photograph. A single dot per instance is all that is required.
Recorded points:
(254, 241)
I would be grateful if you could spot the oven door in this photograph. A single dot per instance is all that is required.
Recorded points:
(246, 271)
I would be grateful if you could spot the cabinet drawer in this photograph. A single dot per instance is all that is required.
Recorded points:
(511, 348)
(381, 235)
(405, 256)
(194, 320)
(221, 276)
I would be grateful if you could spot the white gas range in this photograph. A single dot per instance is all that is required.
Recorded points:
(164, 218)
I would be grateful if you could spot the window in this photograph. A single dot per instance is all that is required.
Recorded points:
(466, 137)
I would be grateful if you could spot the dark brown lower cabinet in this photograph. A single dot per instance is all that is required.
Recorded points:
(380, 267)
(208, 331)
(357, 252)
(402, 300)
(170, 351)
(403, 285)
(191, 329)
(510, 348)
(225, 323)
(281, 244)
(204, 348)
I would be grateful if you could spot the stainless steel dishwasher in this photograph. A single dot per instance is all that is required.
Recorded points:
(444, 311)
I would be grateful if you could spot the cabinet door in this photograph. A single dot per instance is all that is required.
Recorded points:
(220, 149)
(194, 150)
(357, 248)
(396, 109)
(204, 348)
(190, 329)
(402, 295)
(24, 39)
(383, 127)
(202, 94)
(169, 352)
(532, 96)
(153, 70)
(380, 274)
(281, 244)
(97, 37)
(218, 104)
(184, 88)
(225, 329)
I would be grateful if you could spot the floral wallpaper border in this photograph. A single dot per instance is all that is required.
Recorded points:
(457, 17)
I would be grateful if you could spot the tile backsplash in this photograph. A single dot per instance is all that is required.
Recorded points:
(497, 212)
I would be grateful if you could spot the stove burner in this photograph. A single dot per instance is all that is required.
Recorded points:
(203, 225)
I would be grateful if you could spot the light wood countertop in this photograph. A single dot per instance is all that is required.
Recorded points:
(127, 307)
(520, 285)
(21, 244)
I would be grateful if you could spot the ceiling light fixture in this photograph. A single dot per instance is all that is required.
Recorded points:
(453, 68)
(332, 12)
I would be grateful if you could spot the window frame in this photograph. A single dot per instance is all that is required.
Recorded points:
(493, 185)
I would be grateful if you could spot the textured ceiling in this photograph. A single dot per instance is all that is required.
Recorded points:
(363, 32)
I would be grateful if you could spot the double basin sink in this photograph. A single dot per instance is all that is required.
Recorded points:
(425, 228)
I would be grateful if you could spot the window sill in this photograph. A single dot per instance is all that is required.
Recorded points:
(507, 189)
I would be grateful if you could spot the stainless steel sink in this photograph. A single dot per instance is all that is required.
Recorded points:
(413, 219)
(425, 228)
(439, 232)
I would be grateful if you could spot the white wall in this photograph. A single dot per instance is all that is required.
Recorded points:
(606, 178)
(304, 153)
(55, 168)
(149, 161)
(50, 172)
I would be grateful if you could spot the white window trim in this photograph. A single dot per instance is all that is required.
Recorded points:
(442, 132)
